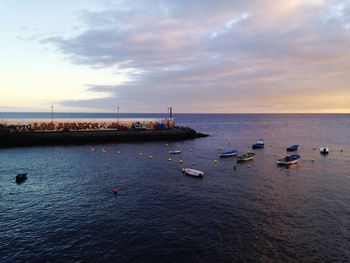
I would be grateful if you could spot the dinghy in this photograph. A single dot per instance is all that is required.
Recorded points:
(175, 152)
(324, 150)
(228, 154)
(293, 148)
(193, 172)
(259, 144)
(245, 157)
(288, 160)
(21, 178)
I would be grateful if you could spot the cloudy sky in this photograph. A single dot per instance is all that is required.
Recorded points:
(195, 55)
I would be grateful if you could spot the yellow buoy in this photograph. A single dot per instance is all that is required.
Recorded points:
(118, 152)
(150, 156)
(234, 166)
(180, 161)
(270, 144)
(220, 148)
(183, 170)
(313, 159)
(169, 159)
(140, 154)
(92, 149)
(166, 144)
(341, 150)
(178, 146)
(215, 161)
(248, 151)
(275, 154)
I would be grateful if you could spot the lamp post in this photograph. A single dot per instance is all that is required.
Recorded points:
(52, 114)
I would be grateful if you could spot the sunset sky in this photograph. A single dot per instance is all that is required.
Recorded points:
(197, 56)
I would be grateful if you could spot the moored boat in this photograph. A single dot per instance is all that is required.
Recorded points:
(288, 160)
(175, 152)
(324, 150)
(245, 157)
(21, 178)
(260, 144)
(293, 148)
(193, 172)
(228, 154)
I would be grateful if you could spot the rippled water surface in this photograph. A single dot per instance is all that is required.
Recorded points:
(66, 210)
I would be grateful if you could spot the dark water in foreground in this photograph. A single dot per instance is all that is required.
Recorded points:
(66, 210)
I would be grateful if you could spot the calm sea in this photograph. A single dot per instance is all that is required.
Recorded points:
(66, 210)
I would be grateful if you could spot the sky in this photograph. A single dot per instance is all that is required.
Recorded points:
(199, 56)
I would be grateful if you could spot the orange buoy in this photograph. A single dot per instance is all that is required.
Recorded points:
(115, 191)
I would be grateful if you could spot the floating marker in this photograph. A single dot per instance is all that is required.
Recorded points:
(193, 163)
(140, 154)
(275, 154)
(92, 149)
(178, 146)
(234, 166)
(107, 154)
(137, 147)
(118, 152)
(270, 144)
(215, 161)
(248, 165)
(313, 159)
(341, 150)
(248, 151)
(115, 191)
(314, 148)
(220, 148)
(169, 159)
(166, 144)
(180, 161)
(183, 170)
(150, 156)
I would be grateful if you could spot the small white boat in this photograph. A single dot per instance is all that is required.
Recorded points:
(324, 150)
(193, 172)
(175, 152)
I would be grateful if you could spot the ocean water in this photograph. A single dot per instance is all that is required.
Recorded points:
(66, 210)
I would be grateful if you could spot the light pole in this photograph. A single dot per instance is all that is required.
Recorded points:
(52, 114)
(118, 114)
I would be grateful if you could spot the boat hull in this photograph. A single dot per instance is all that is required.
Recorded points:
(194, 173)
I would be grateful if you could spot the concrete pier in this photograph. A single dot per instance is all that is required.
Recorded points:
(17, 139)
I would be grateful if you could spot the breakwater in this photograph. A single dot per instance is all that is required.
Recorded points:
(15, 139)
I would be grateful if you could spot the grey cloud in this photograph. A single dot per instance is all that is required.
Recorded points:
(184, 52)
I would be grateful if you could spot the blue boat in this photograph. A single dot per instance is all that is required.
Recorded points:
(229, 153)
(293, 148)
(259, 144)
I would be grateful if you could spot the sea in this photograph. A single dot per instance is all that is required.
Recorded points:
(67, 211)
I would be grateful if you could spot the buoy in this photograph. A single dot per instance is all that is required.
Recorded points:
(313, 159)
(102, 149)
(234, 166)
(193, 163)
(107, 154)
(248, 165)
(178, 146)
(115, 191)
(275, 154)
(314, 148)
(183, 170)
(150, 156)
(270, 144)
(215, 161)
(220, 148)
(166, 144)
(140, 154)
(341, 150)
(180, 161)
(118, 152)
(137, 147)
(92, 149)
(169, 159)
(248, 151)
